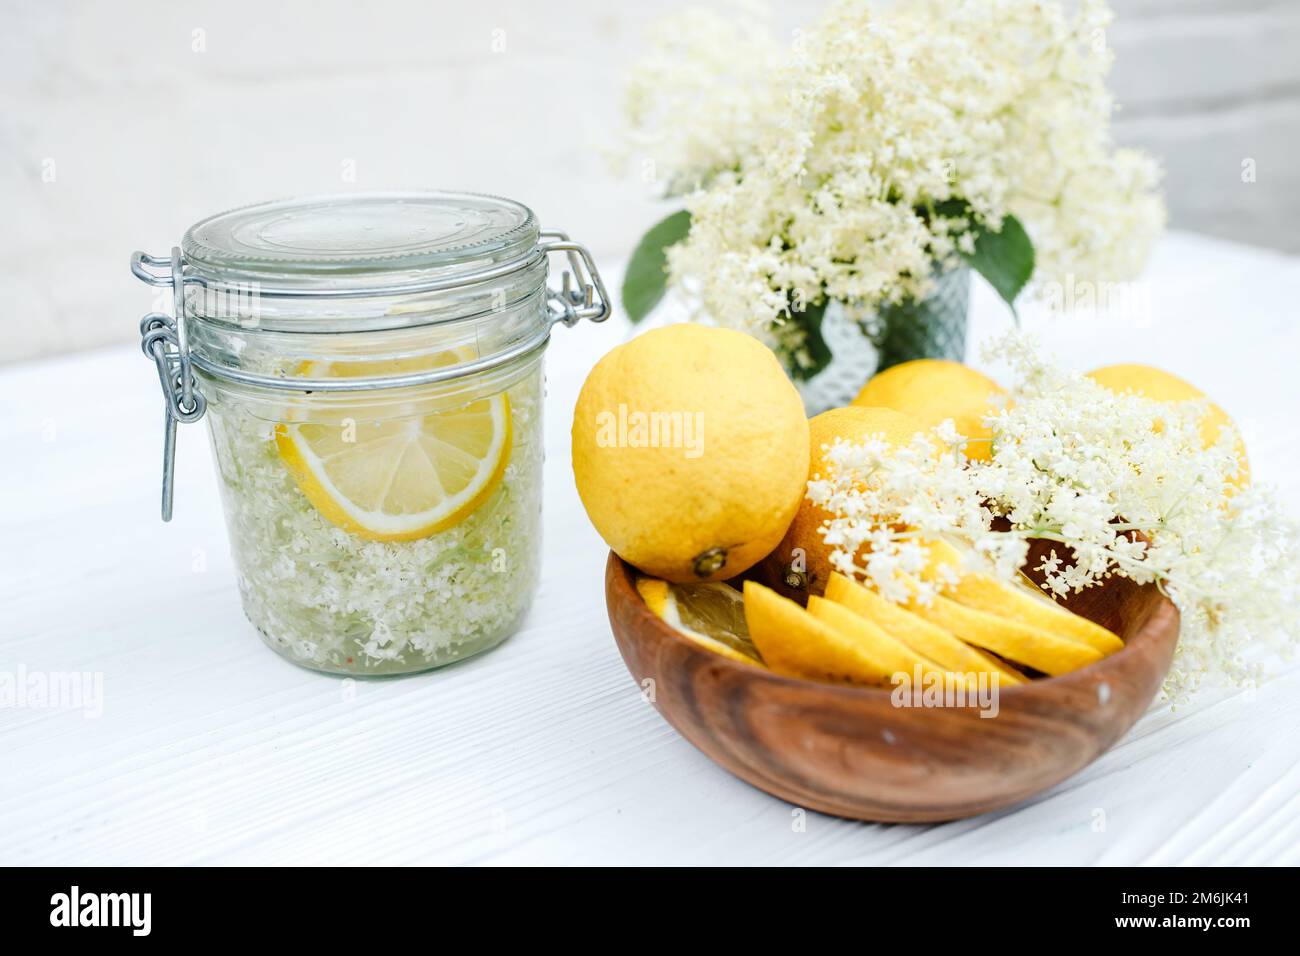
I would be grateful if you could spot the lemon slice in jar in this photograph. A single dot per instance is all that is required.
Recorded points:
(402, 478)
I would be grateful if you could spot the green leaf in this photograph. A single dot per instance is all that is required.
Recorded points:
(645, 280)
(1005, 258)
(810, 320)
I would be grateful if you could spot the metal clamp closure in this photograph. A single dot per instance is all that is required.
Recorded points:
(590, 300)
(163, 339)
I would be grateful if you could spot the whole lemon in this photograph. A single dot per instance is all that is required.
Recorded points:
(1164, 386)
(690, 451)
(800, 565)
(931, 390)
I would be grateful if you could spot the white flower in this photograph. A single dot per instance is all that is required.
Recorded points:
(823, 169)
(1122, 483)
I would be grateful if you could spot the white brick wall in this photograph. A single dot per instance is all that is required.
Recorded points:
(116, 132)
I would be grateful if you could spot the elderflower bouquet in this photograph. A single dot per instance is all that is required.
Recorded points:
(1123, 484)
(879, 151)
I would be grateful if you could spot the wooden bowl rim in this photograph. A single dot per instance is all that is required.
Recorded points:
(624, 580)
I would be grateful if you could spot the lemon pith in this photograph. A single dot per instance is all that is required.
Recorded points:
(710, 614)
(399, 479)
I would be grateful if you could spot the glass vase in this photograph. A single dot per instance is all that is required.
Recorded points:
(934, 327)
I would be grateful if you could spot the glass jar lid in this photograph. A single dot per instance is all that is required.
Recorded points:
(361, 241)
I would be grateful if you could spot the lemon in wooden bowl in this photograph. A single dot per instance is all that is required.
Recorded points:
(800, 564)
(934, 390)
(690, 451)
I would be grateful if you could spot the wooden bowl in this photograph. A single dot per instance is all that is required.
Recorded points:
(850, 752)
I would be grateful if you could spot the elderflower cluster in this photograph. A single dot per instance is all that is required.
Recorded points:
(1123, 484)
(855, 161)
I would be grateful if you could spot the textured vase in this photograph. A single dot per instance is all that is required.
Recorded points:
(934, 327)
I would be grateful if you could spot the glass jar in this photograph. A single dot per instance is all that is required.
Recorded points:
(371, 369)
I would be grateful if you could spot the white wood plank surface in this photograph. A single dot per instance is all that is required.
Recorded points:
(210, 749)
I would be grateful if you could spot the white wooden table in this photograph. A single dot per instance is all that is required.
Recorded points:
(211, 749)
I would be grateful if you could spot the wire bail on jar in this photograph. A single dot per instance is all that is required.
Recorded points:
(164, 338)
